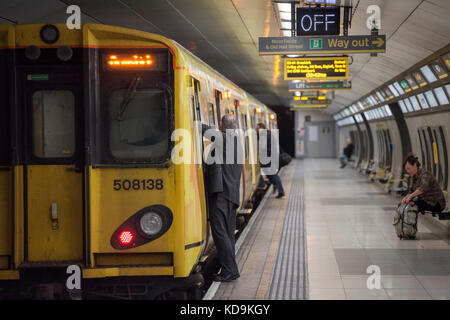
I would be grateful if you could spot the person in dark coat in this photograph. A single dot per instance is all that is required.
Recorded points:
(348, 152)
(223, 181)
(273, 177)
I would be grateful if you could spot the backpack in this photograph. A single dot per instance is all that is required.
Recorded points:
(285, 158)
(405, 221)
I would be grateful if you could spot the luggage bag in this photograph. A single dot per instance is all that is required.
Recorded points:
(405, 221)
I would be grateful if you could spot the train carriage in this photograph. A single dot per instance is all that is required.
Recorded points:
(86, 174)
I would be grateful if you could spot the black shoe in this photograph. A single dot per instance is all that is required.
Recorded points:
(280, 195)
(221, 278)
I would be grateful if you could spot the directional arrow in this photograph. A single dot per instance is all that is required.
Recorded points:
(379, 42)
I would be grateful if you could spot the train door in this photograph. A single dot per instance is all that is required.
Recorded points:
(53, 174)
(5, 169)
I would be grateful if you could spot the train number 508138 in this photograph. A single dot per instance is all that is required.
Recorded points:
(136, 184)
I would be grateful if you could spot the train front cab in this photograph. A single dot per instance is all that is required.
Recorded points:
(99, 188)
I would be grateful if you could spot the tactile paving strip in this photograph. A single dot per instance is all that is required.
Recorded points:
(289, 278)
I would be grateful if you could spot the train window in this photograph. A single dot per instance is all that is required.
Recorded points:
(140, 128)
(423, 101)
(414, 103)
(408, 105)
(211, 120)
(393, 90)
(440, 94)
(411, 81)
(439, 69)
(402, 106)
(419, 78)
(53, 124)
(431, 99)
(429, 75)
(399, 88)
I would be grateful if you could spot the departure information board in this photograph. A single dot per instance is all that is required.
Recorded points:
(316, 68)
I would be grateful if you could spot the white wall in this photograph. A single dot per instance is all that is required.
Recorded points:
(316, 115)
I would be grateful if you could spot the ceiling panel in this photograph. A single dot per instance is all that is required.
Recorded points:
(224, 33)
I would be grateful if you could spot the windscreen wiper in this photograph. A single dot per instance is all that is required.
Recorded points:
(129, 95)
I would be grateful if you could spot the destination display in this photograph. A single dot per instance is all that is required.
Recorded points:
(318, 21)
(323, 44)
(316, 68)
(326, 85)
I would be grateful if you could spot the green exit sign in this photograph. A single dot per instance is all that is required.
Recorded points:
(315, 43)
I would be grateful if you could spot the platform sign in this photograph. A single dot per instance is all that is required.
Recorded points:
(323, 44)
(301, 101)
(327, 85)
(318, 21)
(309, 107)
(316, 68)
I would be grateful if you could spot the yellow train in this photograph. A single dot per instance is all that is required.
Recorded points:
(86, 177)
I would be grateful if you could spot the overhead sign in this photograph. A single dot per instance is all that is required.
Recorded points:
(316, 68)
(318, 21)
(324, 44)
(310, 101)
(328, 85)
(311, 107)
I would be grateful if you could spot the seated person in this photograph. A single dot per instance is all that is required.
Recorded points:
(424, 186)
(348, 151)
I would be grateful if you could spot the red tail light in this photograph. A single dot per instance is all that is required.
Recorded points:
(126, 237)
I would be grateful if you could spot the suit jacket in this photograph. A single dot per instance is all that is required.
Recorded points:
(224, 178)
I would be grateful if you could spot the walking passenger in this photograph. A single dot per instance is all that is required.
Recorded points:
(273, 177)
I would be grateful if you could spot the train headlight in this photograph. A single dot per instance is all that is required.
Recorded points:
(49, 34)
(151, 223)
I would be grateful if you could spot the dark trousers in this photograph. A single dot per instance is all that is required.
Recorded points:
(423, 206)
(222, 217)
(275, 180)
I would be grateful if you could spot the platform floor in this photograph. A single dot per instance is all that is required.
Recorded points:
(347, 221)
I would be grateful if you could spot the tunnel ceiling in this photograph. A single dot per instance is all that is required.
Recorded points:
(224, 33)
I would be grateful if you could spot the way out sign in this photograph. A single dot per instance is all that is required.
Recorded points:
(323, 44)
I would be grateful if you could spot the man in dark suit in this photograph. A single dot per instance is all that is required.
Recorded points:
(223, 180)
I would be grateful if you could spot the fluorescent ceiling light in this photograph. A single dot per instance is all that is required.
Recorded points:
(286, 24)
(292, 56)
(284, 7)
(285, 15)
(287, 33)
